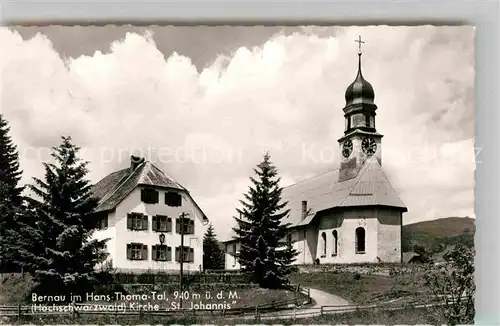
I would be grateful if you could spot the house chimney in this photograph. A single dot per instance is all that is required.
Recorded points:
(304, 209)
(135, 161)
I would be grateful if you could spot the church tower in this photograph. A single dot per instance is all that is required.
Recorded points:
(360, 141)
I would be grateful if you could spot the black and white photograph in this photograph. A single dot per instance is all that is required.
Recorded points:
(237, 174)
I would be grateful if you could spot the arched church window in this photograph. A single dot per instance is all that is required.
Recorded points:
(323, 244)
(335, 242)
(360, 240)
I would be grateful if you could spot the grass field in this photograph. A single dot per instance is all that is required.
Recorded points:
(365, 289)
(16, 289)
(410, 316)
(208, 294)
(436, 235)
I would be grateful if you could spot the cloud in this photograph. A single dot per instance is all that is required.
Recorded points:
(209, 128)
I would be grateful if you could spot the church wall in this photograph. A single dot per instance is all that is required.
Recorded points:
(311, 244)
(345, 224)
(382, 238)
(304, 241)
(389, 224)
(230, 262)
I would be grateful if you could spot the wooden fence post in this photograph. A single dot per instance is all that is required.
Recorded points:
(321, 311)
(19, 311)
(294, 313)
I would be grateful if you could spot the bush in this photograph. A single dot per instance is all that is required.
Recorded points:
(16, 289)
(453, 285)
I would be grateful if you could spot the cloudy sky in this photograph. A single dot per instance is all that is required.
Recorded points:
(205, 103)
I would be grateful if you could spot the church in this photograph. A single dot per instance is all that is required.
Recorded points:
(351, 214)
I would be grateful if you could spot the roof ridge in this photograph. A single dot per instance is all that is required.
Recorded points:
(310, 178)
(121, 182)
(166, 175)
(392, 187)
(360, 175)
(116, 185)
(107, 175)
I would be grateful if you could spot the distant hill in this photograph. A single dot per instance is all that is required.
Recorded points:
(436, 235)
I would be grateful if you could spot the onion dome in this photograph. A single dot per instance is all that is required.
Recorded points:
(360, 91)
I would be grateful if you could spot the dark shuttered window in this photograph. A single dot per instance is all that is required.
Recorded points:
(137, 251)
(188, 226)
(188, 254)
(102, 221)
(162, 223)
(162, 253)
(137, 222)
(149, 196)
(173, 199)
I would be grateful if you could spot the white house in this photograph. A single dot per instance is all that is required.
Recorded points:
(351, 214)
(136, 205)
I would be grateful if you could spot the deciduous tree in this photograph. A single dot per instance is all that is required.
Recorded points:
(453, 285)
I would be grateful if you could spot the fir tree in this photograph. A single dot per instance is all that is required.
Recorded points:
(10, 198)
(10, 174)
(213, 256)
(7, 233)
(264, 253)
(64, 223)
(26, 240)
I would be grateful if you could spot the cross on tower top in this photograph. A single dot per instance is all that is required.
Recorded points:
(359, 41)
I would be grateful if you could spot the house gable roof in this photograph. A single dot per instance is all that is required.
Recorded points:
(369, 188)
(116, 186)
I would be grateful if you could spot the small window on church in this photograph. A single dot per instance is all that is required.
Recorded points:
(235, 255)
(335, 242)
(323, 244)
(360, 240)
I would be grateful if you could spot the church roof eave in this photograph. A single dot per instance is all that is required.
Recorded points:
(360, 132)
(369, 188)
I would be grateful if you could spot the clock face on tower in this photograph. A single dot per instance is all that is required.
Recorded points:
(347, 148)
(369, 146)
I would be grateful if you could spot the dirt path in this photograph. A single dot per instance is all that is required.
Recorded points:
(326, 299)
(320, 298)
